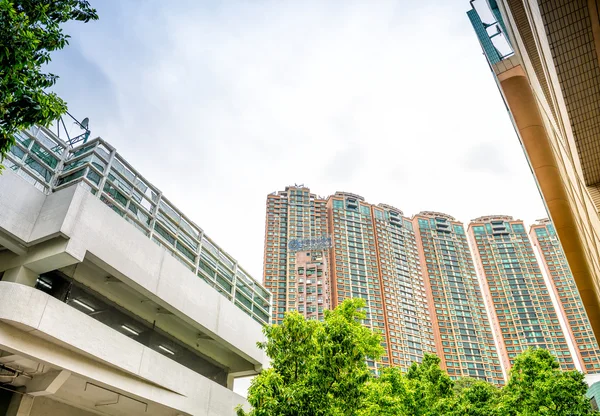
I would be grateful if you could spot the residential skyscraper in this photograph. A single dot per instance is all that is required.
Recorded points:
(545, 58)
(375, 257)
(462, 331)
(292, 214)
(476, 297)
(567, 299)
(353, 261)
(515, 293)
(409, 329)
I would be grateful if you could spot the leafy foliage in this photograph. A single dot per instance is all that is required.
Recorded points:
(319, 368)
(29, 31)
(538, 387)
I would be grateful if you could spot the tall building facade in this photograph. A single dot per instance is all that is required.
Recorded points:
(375, 257)
(409, 330)
(515, 293)
(294, 213)
(566, 297)
(475, 297)
(463, 336)
(312, 283)
(544, 55)
(354, 263)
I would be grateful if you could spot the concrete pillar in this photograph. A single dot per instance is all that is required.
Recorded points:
(20, 405)
(240, 374)
(20, 274)
(528, 120)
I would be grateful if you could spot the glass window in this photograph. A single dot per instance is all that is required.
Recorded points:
(93, 176)
(518, 228)
(163, 233)
(139, 213)
(72, 165)
(17, 152)
(478, 229)
(98, 163)
(23, 138)
(39, 169)
(71, 177)
(338, 204)
(120, 167)
(44, 155)
(186, 251)
(115, 194)
(81, 150)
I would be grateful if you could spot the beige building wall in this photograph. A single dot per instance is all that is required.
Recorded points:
(552, 88)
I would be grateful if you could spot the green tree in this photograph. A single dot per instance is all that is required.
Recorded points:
(29, 31)
(317, 368)
(388, 395)
(538, 387)
(425, 390)
(475, 398)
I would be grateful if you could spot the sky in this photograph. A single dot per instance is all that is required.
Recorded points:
(219, 103)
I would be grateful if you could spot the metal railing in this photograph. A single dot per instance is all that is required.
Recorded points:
(51, 164)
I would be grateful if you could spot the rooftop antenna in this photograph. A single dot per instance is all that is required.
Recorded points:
(83, 137)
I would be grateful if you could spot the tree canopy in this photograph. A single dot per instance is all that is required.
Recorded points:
(319, 368)
(29, 31)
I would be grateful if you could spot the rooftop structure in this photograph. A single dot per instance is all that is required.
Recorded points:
(138, 313)
(50, 164)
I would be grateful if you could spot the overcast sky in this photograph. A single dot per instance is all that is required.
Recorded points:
(219, 103)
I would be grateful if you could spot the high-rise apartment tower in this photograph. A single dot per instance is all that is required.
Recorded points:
(515, 293)
(375, 257)
(566, 297)
(475, 297)
(294, 214)
(463, 335)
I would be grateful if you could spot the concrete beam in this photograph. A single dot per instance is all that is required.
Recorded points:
(44, 257)
(12, 245)
(22, 275)
(47, 383)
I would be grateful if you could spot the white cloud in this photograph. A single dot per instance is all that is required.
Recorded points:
(220, 103)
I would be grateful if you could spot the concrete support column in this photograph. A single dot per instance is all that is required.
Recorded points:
(20, 405)
(528, 120)
(232, 376)
(20, 274)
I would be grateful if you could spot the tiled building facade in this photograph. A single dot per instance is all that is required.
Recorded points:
(567, 299)
(463, 335)
(291, 214)
(516, 296)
